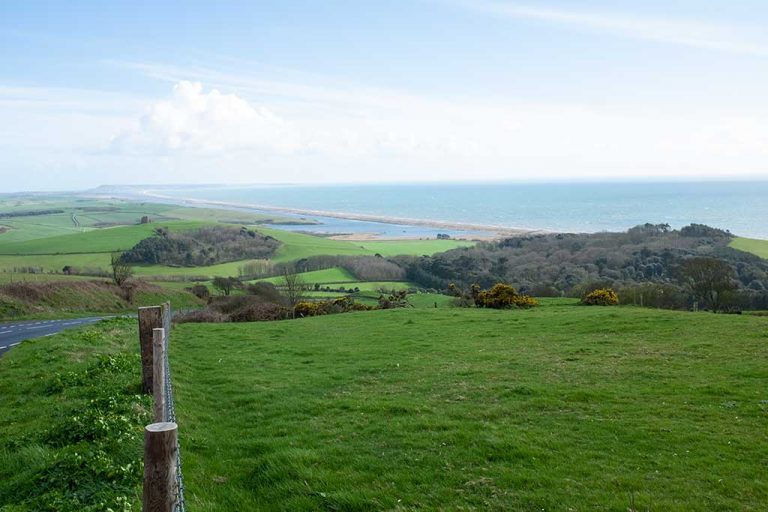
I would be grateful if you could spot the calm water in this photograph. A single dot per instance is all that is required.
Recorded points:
(741, 207)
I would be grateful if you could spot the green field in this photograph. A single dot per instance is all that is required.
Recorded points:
(329, 275)
(48, 243)
(557, 408)
(112, 239)
(562, 407)
(299, 245)
(755, 246)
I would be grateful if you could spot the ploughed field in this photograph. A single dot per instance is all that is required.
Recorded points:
(561, 407)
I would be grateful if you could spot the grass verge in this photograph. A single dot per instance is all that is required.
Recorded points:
(71, 421)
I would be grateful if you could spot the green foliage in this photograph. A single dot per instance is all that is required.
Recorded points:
(601, 297)
(710, 280)
(328, 307)
(74, 442)
(565, 263)
(394, 300)
(225, 285)
(202, 246)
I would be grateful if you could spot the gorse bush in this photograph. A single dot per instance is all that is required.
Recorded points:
(601, 297)
(503, 296)
(328, 307)
(499, 296)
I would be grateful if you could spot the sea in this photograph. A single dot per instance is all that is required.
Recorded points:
(582, 207)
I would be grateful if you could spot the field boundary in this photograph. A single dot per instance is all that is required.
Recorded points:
(163, 486)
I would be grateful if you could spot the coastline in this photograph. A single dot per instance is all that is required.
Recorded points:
(491, 231)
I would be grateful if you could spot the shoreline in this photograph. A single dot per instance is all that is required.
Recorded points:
(488, 231)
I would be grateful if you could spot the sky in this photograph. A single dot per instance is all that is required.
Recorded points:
(358, 91)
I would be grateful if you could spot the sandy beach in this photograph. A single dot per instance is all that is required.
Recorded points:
(489, 231)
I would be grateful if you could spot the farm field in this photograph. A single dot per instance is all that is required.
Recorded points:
(755, 246)
(560, 407)
(299, 245)
(86, 231)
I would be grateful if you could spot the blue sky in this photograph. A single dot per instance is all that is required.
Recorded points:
(362, 91)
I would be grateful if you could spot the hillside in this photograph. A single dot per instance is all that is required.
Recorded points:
(83, 296)
(646, 258)
(564, 407)
(560, 407)
(754, 246)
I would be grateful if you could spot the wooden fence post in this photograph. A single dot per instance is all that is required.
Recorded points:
(158, 374)
(167, 321)
(150, 318)
(160, 452)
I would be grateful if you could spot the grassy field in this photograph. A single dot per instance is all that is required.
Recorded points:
(71, 421)
(329, 275)
(758, 247)
(113, 239)
(88, 230)
(299, 245)
(562, 407)
(557, 408)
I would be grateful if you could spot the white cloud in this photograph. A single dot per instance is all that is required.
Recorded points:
(192, 120)
(693, 34)
(329, 133)
(408, 136)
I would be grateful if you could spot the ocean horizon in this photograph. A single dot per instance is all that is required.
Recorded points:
(738, 206)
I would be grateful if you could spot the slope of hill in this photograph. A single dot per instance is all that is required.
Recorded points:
(756, 247)
(561, 407)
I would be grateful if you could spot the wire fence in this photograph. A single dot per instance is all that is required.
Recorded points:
(170, 411)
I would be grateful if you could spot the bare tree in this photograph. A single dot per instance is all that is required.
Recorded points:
(121, 270)
(293, 287)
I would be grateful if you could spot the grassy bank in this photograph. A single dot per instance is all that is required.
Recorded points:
(557, 408)
(23, 299)
(71, 422)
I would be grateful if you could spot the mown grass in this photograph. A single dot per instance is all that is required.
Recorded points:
(557, 408)
(755, 246)
(71, 421)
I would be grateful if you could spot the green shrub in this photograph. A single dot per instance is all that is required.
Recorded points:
(601, 297)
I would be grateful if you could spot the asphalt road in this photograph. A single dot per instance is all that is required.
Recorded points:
(14, 333)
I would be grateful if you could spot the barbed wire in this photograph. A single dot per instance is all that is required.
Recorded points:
(170, 415)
